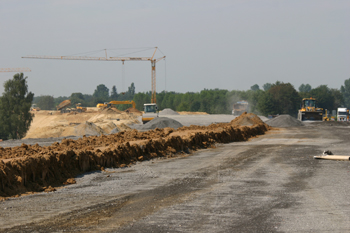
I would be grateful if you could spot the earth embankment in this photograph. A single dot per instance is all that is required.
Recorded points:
(32, 168)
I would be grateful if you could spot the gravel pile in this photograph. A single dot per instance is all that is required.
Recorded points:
(283, 121)
(160, 122)
(115, 130)
(168, 111)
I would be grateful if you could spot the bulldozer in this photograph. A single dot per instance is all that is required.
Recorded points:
(310, 111)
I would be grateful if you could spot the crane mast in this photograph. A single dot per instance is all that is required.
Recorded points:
(122, 59)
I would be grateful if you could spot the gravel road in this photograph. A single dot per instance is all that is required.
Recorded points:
(268, 184)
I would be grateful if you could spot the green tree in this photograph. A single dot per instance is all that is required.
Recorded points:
(15, 103)
(255, 87)
(324, 97)
(345, 90)
(306, 88)
(338, 98)
(131, 89)
(285, 98)
(77, 98)
(195, 106)
(267, 86)
(114, 94)
(266, 104)
(101, 94)
(46, 102)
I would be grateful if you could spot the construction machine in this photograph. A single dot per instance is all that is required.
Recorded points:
(240, 107)
(61, 107)
(326, 118)
(80, 108)
(114, 102)
(342, 114)
(150, 111)
(34, 108)
(102, 105)
(310, 111)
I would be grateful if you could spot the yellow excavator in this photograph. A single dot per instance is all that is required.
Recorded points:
(310, 111)
(109, 104)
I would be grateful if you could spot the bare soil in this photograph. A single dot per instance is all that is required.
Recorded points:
(270, 183)
(32, 168)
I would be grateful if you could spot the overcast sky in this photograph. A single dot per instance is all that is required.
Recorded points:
(226, 44)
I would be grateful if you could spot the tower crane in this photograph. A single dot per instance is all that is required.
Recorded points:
(122, 59)
(15, 70)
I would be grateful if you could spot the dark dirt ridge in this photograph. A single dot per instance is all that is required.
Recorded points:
(32, 168)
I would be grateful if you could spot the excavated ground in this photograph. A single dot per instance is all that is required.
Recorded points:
(32, 168)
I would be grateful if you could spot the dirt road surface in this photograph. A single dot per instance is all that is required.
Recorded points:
(267, 184)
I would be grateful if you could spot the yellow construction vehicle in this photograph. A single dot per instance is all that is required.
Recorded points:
(80, 108)
(150, 111)
(310, 111)
(34, 108)
(102, 105)
(113, 102)
(325, 118)
(63, 106)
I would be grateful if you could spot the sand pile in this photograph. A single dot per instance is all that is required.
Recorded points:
(33, 168)
(161, 123)
(88, 128)
(123, 127)
(168, 111)
(111, 111)
(283, 121)
(133, 111)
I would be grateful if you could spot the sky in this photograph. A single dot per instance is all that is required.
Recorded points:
(225, 44)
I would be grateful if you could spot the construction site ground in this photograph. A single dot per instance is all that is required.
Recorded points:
(270, 183)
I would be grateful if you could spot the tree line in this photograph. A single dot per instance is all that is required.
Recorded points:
(273, 98)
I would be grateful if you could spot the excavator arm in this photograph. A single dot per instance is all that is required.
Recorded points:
(124, 102)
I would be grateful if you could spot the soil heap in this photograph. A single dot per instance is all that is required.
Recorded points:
(246, 119)
(283, 121)
(168, 111)
(133, 111)
(88, 128)
(111, 111)
(29, 168)
(161, 123)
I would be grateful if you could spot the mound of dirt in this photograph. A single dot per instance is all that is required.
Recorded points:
(133, 110)
(88, 128)
(111, 111)
(247, 119)
(123, 127)
(28, 168)
(168, 111)
(161, 123)
(283, 121)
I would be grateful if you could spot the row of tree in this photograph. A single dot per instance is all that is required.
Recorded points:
(274, 98)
